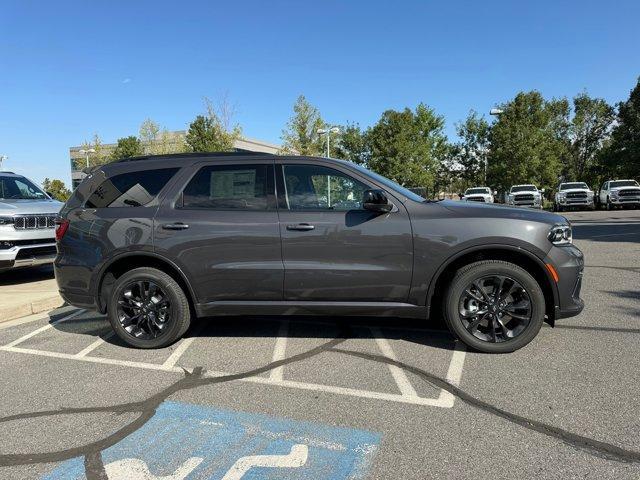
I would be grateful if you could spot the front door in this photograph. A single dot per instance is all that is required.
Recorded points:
(333, 249)
(221, 228)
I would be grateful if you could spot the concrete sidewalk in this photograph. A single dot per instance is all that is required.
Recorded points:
(27, 291)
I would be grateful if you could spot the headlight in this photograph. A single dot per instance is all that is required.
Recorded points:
(562, 194)
(560, 235)
(614, 194)
(6, 220)
(589, 194)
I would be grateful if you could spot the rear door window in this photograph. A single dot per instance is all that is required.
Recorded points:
(231, 187)
(132, 189)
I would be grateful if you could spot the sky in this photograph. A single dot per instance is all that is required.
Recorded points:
(69, 70)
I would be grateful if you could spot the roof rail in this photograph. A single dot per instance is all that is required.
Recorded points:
(194, 154)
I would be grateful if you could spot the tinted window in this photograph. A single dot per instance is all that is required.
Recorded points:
(524, 188)
(133, 189)
(569, 186)
(391, 184)
(624, 183)
(475, 191)
(310, 187)
(19, 188)
(224, 187)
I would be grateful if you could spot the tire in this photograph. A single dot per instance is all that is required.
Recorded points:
(479, 272)
(608, 205)
(167, 303)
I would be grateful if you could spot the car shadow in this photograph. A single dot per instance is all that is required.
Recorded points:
(21, 276)
(429, 334)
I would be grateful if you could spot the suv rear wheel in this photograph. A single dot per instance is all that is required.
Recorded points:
(148, 309)
(494, 306)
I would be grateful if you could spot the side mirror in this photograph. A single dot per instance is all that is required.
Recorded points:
(495, 192)
(376, 201)
(542, 191)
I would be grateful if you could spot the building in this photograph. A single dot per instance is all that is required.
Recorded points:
(167, 143)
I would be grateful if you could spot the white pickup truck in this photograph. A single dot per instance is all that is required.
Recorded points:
(573, 194)
(478, 194)
(526, 195)
(27, 223)
(619, 193)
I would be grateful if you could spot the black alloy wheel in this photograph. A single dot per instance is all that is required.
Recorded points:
(144, 310)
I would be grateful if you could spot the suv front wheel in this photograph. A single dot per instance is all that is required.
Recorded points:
(148, 309)
(494, 306)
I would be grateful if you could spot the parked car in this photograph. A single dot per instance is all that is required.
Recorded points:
(237, 234)
(525, 196)
(27, 223)
(619, 193)
(573, 194)
(478, 194)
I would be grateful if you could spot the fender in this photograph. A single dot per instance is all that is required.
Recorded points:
(106, 265)
(491, 246)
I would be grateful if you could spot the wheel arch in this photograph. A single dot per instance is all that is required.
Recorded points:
(128, 261)
(519, 256)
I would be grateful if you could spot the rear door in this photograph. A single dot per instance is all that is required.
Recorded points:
(220, 226)
(333, 249)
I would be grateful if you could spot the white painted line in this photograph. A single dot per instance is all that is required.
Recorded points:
(279, 351)
(178, 352)
(42, 329)
(106, 361)
(414, 400)
(404, 385)
(454, 374)
(94, 345)
(296, 458)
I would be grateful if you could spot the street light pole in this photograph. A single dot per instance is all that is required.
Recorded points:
(86, 154)
(2, 159)
(328, 132)
(496, 112)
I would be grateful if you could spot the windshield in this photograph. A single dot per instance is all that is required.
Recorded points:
(19, 188)
(472, 191)
(391, 184)
(569, 186)
(623, 183)
(524, 188)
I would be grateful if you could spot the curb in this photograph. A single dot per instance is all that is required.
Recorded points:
(42, 305)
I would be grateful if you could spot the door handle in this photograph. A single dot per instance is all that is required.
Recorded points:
(175, 226)
(303, 227)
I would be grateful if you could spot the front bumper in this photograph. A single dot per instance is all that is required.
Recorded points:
(625, 201)
(27, 255)
(568, 261)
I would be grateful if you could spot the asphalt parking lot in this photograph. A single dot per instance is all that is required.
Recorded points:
(332, 397)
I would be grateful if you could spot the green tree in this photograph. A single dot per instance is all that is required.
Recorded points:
(622, 157)
(529, 142)
(213, 132)
(57, 189)
(408, 146)
(127, 147)
(351, 144)
(301, 132)
(589, 132)
(470, 153)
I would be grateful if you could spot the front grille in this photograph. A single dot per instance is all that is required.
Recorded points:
(524, 198)
(580, 195)
(36, 252)
(629, 193)
(34, 222)
(475, 199)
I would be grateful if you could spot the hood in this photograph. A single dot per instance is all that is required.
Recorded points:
(477, 195)
(526, 192)
(21, 207)
(492, 210)
(624, 188)
(568, 190)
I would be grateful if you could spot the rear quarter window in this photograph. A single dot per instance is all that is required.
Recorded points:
(131, 189)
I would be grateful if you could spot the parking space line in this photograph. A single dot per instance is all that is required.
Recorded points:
(42, 329)
(94, 345)
(454, 374)
(401, 379)
(178, 352)
(279, 351)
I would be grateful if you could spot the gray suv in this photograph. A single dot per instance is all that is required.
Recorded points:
(155, 241)
(27, 222)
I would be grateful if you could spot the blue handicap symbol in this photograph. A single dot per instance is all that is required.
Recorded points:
(184, 441)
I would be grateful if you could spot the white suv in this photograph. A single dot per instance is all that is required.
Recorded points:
(478, 194)
(27, 223)
(525, 196)
(573, 194)
(619, 193)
